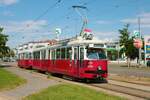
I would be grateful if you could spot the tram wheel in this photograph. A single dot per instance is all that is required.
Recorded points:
(86, 80)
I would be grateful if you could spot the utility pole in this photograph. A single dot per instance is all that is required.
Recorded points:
(139, 28)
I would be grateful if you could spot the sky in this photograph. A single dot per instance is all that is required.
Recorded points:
(34, 20)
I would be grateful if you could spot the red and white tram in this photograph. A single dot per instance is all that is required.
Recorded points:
(76, 57)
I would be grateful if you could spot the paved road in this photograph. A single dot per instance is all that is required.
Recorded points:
(34, 84)
(119, 69)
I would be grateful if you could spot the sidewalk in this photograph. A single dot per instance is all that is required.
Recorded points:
(34, 84)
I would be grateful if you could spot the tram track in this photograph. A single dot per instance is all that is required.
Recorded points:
(133, 82)
(124, 90)
(128, 91)
(130, 85)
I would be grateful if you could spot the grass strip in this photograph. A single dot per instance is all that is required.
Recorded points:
(70, 92)
(9, 80)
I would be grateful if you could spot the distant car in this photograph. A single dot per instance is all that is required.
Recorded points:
(6, 59)
(9, 59)
(12, 60)
(148, 60)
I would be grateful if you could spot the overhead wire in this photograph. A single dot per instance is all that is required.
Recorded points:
(42, 14)
(74, 7)
(48, 9)
(67, 15)
(58, 19)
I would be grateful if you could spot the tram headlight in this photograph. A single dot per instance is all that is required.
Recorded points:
(99, 68)
(90, 64)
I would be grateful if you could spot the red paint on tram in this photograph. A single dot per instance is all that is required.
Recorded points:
(79, 69)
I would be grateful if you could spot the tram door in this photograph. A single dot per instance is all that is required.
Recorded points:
(78, 59)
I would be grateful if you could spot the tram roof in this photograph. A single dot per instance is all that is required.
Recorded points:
(79, 40)
(75, 41)
(34, 46)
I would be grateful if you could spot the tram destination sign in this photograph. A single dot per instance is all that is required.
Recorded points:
(99, 45)
(96, 45)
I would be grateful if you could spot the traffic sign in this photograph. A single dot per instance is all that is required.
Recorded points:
(58, 31)
(138, 43)
(136, 34)
(147, 48)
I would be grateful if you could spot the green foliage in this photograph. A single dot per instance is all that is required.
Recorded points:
(9, 80)
(4, 50)
(127, 43)
(70, 92)
(10, 53)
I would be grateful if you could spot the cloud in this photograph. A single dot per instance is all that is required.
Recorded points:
(8, 2)
(28, 26)
(130, 21)
(107, 36)
(103, 22)
(7, 13)
(144, 20)
(25, 31)
(145, 14)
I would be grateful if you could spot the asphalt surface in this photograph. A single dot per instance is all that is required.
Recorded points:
(121, 69)
(34, 84)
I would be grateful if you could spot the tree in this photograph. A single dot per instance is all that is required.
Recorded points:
(127, 43)
(11, 53)
(4, 50)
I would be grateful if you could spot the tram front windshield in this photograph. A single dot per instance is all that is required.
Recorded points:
(94, 53)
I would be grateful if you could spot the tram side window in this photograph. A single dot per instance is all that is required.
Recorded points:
(19, 56)
(43, 54)
(81, 53)
(58, 54)
(76, 53)
(30, 55)
(63, 53)
(22, 55)
(36, 55)
(26, 56)
(53, 54)
(49, 54)
(69, 53)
